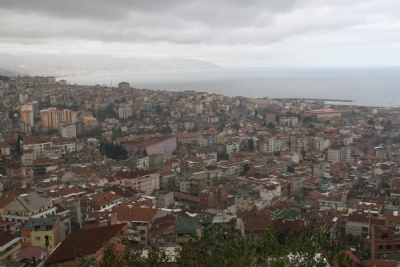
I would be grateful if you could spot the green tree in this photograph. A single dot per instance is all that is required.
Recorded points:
(18, 145)
(224, 245)
(222, 156)
(113, 151)
(251, 144)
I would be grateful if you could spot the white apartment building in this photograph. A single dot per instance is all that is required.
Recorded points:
(67, 130)
(125, 112)
(339, 154)
(270, 192)
(37, 145)
(320, 144)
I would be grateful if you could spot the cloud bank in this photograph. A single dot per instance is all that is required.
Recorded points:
(229, 33)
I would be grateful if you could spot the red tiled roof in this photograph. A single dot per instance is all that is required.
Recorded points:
(187, 135)
(134, 213)
(87, 241)
(5, 238)
(255, 220)
(282, 226)
(6, 198)
(31, 251)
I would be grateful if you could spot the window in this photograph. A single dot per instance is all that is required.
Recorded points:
(37, 238)
(380, 247)
(389, 247)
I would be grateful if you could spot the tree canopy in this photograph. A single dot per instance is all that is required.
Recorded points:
(113, 151)
(224, 245)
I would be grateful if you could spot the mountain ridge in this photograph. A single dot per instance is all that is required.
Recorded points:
(82, 64)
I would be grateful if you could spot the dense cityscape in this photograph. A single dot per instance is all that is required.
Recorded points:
(81, 164)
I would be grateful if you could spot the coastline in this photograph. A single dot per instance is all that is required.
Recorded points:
(366, 87)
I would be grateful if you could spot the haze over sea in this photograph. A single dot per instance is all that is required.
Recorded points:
(364, 86)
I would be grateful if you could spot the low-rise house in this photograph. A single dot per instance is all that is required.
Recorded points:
(137, 213)
(253, 222)
(36, 231)
(141, 180)
(270, 192)
(100, 202)
(162, 230)
(27, 206)
(88, 242)
(383, 242)
(186, 228)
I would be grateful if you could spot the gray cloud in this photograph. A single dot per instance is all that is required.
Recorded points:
(268, 28)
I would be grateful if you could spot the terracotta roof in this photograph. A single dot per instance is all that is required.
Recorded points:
(5, 238)
(36, 140)
(87, 241)
(6, 198)
(134, 213)
(255, 220)
(187, 135)
(104, 198)
(122, 191)
(282, 226)
(64, 192)
(31, 251)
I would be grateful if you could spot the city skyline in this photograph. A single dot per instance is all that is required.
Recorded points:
(227, 33)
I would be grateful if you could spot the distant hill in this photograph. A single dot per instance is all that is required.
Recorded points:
(10, 73)
(71, 65)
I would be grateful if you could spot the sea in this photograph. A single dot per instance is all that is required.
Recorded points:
(378, 87)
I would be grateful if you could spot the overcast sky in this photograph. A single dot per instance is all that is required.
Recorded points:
(237, 33)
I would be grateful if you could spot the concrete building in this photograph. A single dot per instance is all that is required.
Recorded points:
(138, 215)
(323, 114)
(89, 121)
(23, 97)
(123, 86)
(67, 130)
(37, 144)
(27, 117)
(35, 230)
(270, 192)
(27, 206)
(141, 180)
(339, 154)
(125, 112)
(156, 145)
(52, 118)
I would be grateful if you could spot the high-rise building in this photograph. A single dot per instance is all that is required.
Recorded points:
(339, 154)
(125, 112)
(27, 117)
(123, 86)
(23, 97)
(52, 117)
(34, 106)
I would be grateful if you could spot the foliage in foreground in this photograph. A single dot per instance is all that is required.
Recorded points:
(223, 245)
